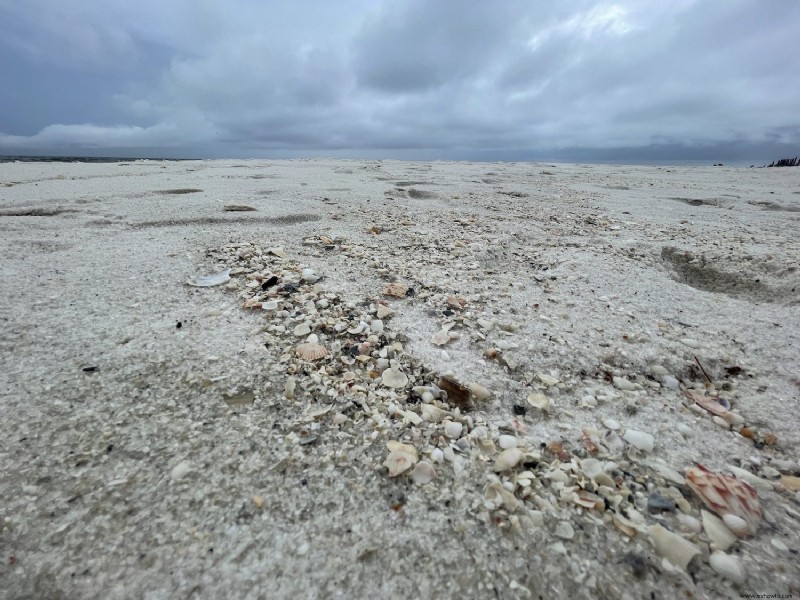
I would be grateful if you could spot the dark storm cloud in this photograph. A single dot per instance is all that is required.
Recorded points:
(447, 78)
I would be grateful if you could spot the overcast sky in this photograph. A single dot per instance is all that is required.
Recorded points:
(505, 79)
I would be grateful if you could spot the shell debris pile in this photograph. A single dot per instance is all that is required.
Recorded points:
(343, 361)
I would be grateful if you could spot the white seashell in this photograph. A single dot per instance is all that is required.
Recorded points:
(548, 380)
(311, 352)
(394, 378)
(481, 393)
(507, 441)
(508, 459)
(339, 418)
(312, 339)
(401, 457)
(376, 326)
(736, 524)
(720, 536)
(288, 388)
(211, 280)
(729, 567)
(302, 329)
(676, 549)
(453, 429)
(540, 401)
(639, 440)
(689, 523)
(423, 473)
(269, 305)
(437, 455)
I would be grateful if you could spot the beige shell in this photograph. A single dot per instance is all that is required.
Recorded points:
(440, 338)
(456, 303)
(508, 459)
(401, 457)
(394, 378)
(311, 351)
(383, 311)
(725, 494)
(398, 290)
(720, 536)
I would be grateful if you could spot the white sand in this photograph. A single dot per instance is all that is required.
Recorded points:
(136, 481)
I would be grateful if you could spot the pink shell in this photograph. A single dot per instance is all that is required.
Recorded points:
(724, 494)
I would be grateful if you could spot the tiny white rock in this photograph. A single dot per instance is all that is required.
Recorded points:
(611, 423)
(729, 567)
(302, 329)
(481, 393)
(423, 473)
(736, 524)
(507, 441)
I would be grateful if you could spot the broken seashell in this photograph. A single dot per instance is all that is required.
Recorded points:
(676, 549)
(540, 401)
(440, 338)
(626, 526)
(456, 303)
(457, 394)
(398, 290)
(288, 388)
(423, 473)
(639, 439)
(383, 311)
(311, 351)
(431, 413)
(401, 457)
(720, 536)
(481, 393)
(508, 459)
(725, 494)
(211, 280)
(394, 378)
(302, 329)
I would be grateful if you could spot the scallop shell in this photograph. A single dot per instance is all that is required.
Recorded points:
(383, 311)
(398, 290)
(311, 351)
(725, 494)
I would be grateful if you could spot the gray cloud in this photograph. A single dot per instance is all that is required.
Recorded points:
(439, 79)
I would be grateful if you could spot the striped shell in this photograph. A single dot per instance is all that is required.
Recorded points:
(398, 290)
(311, 351)
(725, 494)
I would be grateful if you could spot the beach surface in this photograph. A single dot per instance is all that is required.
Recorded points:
(559, 346)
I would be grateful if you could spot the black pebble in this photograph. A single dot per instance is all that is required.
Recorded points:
(269, 282)
(519, 410)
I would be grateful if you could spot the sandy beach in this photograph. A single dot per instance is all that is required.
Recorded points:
(414, 380)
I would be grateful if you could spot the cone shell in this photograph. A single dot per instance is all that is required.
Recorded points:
(311, 351)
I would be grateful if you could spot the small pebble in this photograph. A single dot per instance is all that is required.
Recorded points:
(507, 441)
(453, 429)
(639, 440)
(181, 470)
(623, 384)
(611, 423)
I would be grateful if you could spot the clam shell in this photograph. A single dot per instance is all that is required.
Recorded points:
(440, 338)
(311, 351)
(423, 473)
(539, 401)
(394, 378)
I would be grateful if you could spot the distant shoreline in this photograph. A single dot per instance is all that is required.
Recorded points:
(81, 159)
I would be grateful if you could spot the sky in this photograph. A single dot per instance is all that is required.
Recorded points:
(632, 80)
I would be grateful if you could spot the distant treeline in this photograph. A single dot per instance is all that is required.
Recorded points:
(786, 162)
